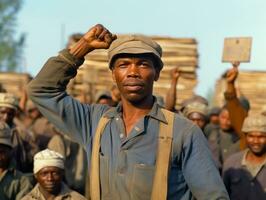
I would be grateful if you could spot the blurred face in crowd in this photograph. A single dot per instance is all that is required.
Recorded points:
(256, 142)
(106, 101)
(5, 155)
(134, 75)
(197, 119)
(214, 119)
(7, 115)
(50, 179)
(224, 120)
(34, 113)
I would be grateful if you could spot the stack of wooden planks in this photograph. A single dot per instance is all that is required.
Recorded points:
(14, 82)
(95, 75)
(251, 84)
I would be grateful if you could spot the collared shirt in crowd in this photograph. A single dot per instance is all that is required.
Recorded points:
(243, 181)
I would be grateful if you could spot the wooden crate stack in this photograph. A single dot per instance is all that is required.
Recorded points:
(95, 75)
(14, 82)
(250, 84)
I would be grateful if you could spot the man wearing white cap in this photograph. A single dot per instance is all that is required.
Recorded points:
(244, 173)
(49, 173)
(13, 185)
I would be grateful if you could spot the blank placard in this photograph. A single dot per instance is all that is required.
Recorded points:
(237, 49)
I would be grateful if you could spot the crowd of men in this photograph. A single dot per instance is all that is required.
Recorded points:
(51, 156)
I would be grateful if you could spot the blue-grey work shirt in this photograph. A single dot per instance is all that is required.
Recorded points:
(127, 163)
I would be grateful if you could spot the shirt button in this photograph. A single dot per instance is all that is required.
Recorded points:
(121, 135)
(117, 119)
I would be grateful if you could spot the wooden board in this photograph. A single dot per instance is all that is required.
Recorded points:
(237, 49)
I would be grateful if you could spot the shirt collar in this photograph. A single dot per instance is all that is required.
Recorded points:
(244, 160)
(155, 112)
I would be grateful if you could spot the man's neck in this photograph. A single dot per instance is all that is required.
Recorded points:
(133, 112)
(256, 159)
(48, 195)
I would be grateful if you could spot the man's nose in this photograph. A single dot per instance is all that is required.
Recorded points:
(133, 70)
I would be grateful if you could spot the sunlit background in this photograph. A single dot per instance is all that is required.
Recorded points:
(49, 23)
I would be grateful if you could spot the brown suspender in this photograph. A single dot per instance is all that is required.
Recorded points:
(160, 181)
(94, 170)
(159, 188)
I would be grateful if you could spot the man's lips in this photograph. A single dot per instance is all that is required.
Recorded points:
(133, 87)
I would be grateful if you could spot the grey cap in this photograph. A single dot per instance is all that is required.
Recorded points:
(8, 100)
(135, 44)
(256, 122)
(197, 107)
(5, 134)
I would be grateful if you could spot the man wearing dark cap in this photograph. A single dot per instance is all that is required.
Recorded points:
(130, 147)
(13, 185)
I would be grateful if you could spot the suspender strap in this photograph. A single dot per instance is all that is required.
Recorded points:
(94, 170)
(164, 149)
(159, 189)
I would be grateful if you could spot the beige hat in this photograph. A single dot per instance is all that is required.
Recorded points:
(256, 122)
(48, 158)
(5, 134)
(135, 44)
(195, 107)
(8, 100)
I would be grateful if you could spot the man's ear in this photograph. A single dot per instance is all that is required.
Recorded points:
(157, 75)
(113, 76)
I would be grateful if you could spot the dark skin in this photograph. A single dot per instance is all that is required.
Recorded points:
(256, 142)
(171, 94)
(50, 180)
(7, 115)
(236, 111)
(197, 119)
(134, 74)
(5, 155)
(224, 120)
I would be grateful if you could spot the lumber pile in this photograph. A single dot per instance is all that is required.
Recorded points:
(14, 82)
(95, 75)
(250, 84)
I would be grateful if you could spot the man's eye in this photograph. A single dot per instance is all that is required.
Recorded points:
(122, 65)
(145, 64)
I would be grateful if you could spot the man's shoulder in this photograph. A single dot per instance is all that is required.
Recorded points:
(33, 194)
(66, 191)
(76, 196)
(234, 160)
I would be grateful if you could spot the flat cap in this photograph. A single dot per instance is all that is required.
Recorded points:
(197, 107)
(255, 122)
(135, 44)
(8, 100)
